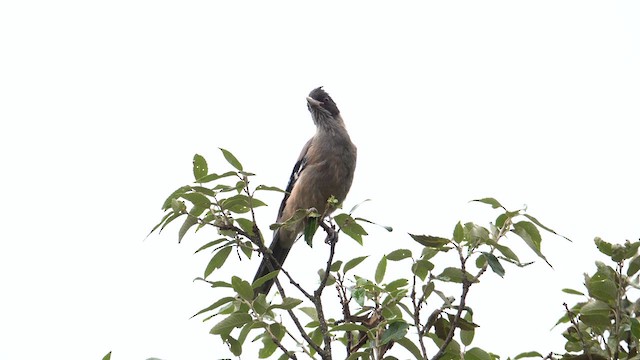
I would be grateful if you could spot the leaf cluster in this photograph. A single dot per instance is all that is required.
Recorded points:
(378, 315)
(604, 325)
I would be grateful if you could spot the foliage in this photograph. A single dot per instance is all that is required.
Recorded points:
(604, 325)
(379, 317)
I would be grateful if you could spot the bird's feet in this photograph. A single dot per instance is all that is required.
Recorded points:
(332, 234)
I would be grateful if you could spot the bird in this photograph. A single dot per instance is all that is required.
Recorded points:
(325, 168)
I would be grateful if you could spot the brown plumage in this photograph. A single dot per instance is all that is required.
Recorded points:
(324, 168)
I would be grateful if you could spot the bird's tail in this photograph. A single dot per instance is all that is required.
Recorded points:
(267, 265)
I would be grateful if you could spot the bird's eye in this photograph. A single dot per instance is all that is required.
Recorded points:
(325, 100)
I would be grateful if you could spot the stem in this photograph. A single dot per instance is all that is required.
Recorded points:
(466, 284)
(332, 238)
(417, 306)
(618, 309)
(279, 344)
(575, 325)
(304, 349)
(296, 321)
(346, 312)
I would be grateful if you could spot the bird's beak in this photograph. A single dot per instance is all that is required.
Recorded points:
(313, 102)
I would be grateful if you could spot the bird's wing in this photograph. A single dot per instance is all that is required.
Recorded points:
(298, 168)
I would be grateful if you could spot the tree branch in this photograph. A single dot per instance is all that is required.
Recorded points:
(275, 340)
(332, 239)
(417, 306)
(466, 284)
(573, 321)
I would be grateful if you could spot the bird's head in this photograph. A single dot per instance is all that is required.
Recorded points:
(321, 106)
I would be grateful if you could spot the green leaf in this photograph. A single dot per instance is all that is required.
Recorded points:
(242, 287)
(349, 226)
(535, 221)
(310, 228)
(311, 312)
(466, 336)
(442, 328)
(388, 228)
(164, 218)
(247, 248)
(269, 347)
(494, 263)
(477, 354)
(631, 249)
(215, 305)
(399, 254)
(528, 354)
(596, 320)
(596, 307)
(353, 263)
(601, 287)
(330, 278)
(269, 188)
(617, 252)
(288, 303)
(428, 289)
(476, 234)
(316, 337)
(396, 284)
(462, 323)
(231, 159)
(421, 268)
(430, 241)
(232, 321)
(213, 177)
(259, 304)
(234, 346)
(200, 168)
(634, 266)
(455, 275)
(107, 357)
(505, 251)
(217, 284)
(240, 204)
(531, 236)
(491, 201)
(210, 244)
(197, 199)
(246, 225)
(336, 266)
(571, 291)
(178, 207)
(394, 332)
(174, 195)
(381, 269)
(409, 345)
(217, 260)
(358, 205)
(458, 233)
(635, 328)
(501, 220)
(603, 246)
(191, 220)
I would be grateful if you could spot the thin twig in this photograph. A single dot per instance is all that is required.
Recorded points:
(573, 321)
(463, 298)
(275, 340)
(296, 321)
(417, 306)
(304, 349)
(332, 238)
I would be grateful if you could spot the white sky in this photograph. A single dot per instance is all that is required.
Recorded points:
(103, 105)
